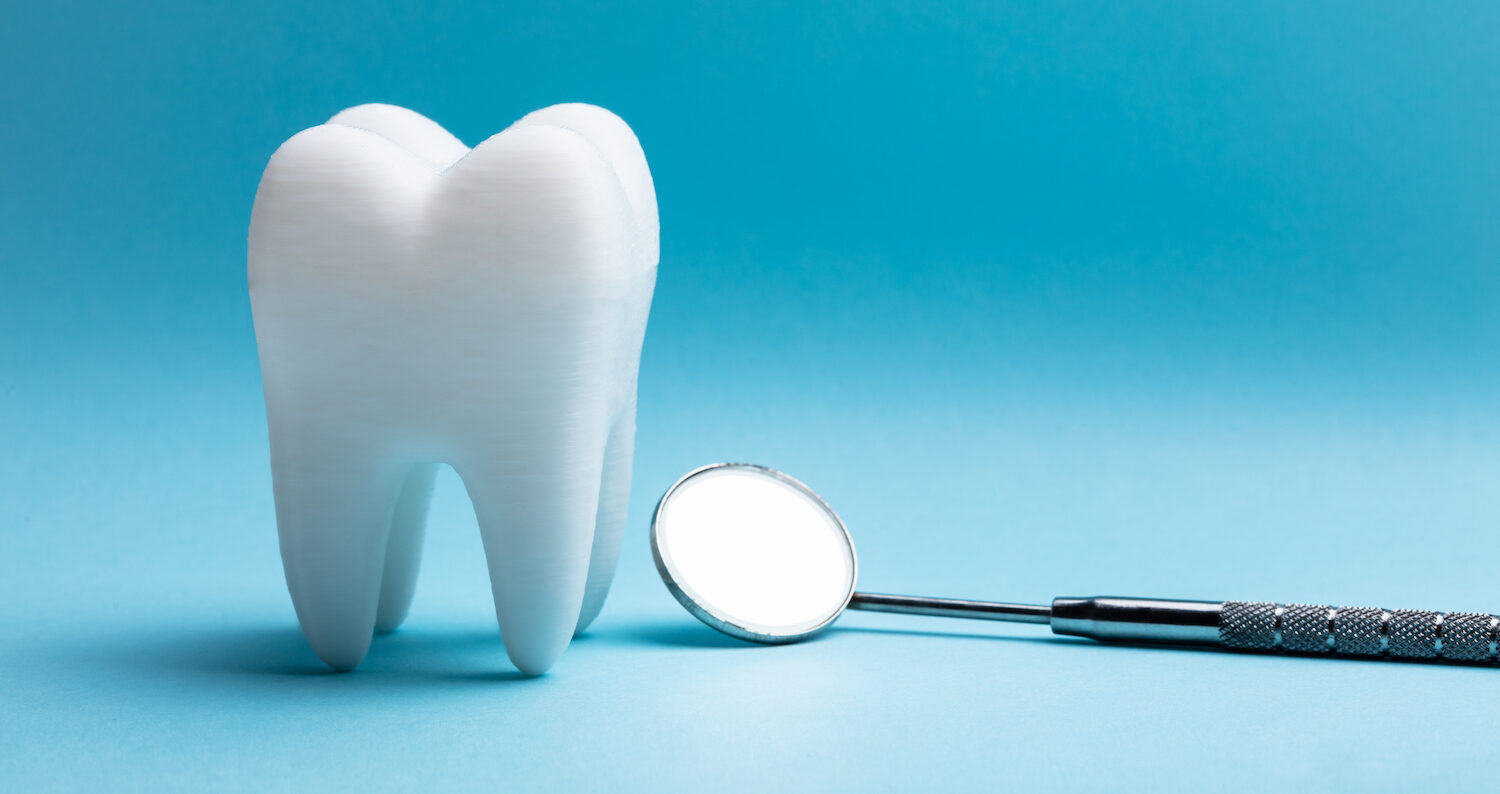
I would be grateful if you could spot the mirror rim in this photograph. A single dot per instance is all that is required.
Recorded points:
(726, 623)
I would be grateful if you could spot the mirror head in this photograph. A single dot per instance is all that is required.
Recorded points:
(753, 552)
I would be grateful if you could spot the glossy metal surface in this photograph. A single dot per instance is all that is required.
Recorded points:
(727, 619)
(1241, 625)
(1138, 619)
(1360, 631)
(950, 608)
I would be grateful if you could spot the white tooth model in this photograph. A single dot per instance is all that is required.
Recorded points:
(416, 303)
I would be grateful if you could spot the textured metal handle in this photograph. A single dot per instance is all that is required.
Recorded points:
(1360, 631)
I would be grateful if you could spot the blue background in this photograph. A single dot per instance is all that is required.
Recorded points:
(1193, 300)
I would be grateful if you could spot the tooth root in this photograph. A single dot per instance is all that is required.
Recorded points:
(333, 513)
(538, 529)
(609, 520)
(403, 552)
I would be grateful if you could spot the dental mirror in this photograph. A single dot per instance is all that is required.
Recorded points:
(755, 554)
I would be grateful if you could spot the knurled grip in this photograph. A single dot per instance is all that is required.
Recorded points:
(1360, 631)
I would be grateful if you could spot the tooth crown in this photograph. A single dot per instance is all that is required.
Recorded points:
(417, 303)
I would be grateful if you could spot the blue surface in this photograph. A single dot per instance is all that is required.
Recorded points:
(1193, 301)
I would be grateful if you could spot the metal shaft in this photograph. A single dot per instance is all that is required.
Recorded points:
(1138, 619)
(1242, 625)
(951, 608)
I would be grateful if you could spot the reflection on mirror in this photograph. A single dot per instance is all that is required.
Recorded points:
(753, 552)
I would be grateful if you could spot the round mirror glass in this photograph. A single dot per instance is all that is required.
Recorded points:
(753, 552)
